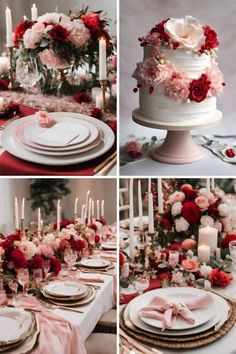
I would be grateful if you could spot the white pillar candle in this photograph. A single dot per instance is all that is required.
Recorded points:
(83, 214)
(208, 185)
(131, 218)
(99, 100)
(34, 13)
(1, 104)
(95, 92)
(212, 183)
(102, 59)
(208, 236)
(140, 206)
(23, 208)
(89, 210)
(86, 204)
(150, 214)
(16, 215)
(76, 206)
(58, 214)
(98, 209)
(39, 220)
(160, 196)
(92, 209)
(149, 185)
(102, 209)
(204, 253)
(9, 39)
(218, 253)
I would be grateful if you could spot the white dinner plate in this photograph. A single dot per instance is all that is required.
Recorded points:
(14, 324)
(124, 224)
(222, 312)
(109, 245)
(180, 295)
(13, 147)
(92, 136)
(95, 263)
(65, 288)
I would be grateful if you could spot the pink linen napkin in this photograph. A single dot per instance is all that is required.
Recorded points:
(56, 334)
(167, 312)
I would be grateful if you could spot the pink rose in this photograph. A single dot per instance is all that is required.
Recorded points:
(188, 244)
(33, 35)
(134, 149)
(190, 265)
(151, 73)
(176, 197)
(217, 79)
(28, 248)
(202, 202)
(49, 58)
(46, 250)
(45, 120)
(79, 33)
(177, 87)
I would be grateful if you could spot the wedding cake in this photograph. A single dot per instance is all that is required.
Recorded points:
(178, 79)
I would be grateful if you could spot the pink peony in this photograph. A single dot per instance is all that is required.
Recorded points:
(176, 197)
(28, 248)
(134, 149)
(151, 73)
(190, 265)
(79, 34)
(217, 79)
(49, 58)
(46, 250)
(188, 244)
(177, 87)
(44, 119)
(202, 202)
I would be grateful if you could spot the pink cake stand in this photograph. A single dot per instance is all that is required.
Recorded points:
(178, 146)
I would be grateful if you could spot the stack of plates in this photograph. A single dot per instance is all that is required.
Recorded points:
(213, 316)
(109, 246)
(19, 330)
(68, 293)
(97, 264)
(74, 138)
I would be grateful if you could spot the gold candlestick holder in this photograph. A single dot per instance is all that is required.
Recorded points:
(152, 235)
(12, 84)
(22, 227)
(103, 84)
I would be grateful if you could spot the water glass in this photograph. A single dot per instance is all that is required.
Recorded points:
(27, 72)
(46, 267)
(70, 257)
(23, 279)
(141, 282)
(37, 277)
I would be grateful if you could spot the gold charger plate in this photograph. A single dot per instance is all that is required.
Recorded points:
(73, 303)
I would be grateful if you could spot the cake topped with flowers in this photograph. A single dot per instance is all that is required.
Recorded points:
(179, 78)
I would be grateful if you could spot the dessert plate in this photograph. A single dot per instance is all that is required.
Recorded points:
(16, 149)
(21, 133)
(65, 288)
(95, 263)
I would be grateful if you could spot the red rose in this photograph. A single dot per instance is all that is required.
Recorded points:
(211, 40)
(166, 224)
(175, 246)
(112, 124)
(82, 97)
(37, 262)
(219, 278)
(63, 224)
(228, 238)
(122, 259)
(96, 113)
(4, 84)
(15, 237)
(164, 276)
(58, 33)
(199, 89)
(20, 31)
(189, 192)
(160, 28)
(55, 265)
(213, 209)
(78, 245)
(93, 227)
(18, 258)
(5, 244)
(93, 22)
(97, 239)
(191, 212)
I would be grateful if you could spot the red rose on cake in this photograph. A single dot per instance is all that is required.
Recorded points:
(211, 40)
(199, 89)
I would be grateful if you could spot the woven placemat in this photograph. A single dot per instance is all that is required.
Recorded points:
(183, 342)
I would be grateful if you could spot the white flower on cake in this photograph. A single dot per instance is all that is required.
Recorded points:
(186, 31)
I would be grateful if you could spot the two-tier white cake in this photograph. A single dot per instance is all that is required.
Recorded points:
(179, 79)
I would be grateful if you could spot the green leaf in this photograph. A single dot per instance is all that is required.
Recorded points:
(145, 147)
(154, 138)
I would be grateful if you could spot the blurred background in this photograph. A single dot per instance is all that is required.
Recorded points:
(44, 191)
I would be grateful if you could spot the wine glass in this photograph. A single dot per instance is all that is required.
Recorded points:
(23, 278)
(13, 286)
(37, 277)
(70, 257)
(232, 252)
(46, 267)
(27, 72)
(142, 282)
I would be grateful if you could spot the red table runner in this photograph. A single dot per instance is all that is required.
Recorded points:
(13, 166)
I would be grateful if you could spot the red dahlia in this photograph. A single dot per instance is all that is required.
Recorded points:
(78, 245)
(199, 89)
(93, 22)
(96, 113)
(18, 258)
(58, 33)
(112, 124)
(191, 212)
(20, 31)
(228, 238)
(97, 239)
(55, 265)
(219, 278)
(37, 262)
(82, 97)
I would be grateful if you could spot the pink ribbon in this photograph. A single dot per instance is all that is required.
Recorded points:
(167, 312)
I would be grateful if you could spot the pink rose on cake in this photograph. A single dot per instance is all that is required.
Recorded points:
(186, 31)
(217, 79)
(177, 87)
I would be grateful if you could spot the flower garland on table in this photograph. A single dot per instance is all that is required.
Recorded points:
(156, 68)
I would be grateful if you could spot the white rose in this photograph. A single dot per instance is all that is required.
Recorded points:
(218, 226)
(205, 270)
(224, 209)
(48, 238)
(181, 224)
(219, 192)
(207, 221)
(176, 208)
(186, 31)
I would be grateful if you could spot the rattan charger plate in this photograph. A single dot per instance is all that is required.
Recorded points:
(185, 342)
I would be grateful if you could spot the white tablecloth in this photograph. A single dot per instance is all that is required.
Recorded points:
(94, 310)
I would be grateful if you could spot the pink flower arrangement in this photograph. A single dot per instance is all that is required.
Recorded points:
(34, 35)
(216, 78)
(49, 58)
(177, 87)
